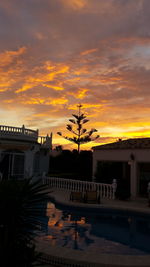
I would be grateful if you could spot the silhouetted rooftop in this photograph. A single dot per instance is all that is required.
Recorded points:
(136, 143)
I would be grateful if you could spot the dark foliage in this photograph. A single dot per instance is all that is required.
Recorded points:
(70, 164)
(22, 209)
(81, 135)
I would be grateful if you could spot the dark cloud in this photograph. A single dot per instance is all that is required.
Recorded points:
(55, 54)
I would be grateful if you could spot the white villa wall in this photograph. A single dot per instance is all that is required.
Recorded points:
(29, 159)
(28, 143)
(44, 162)
(141, 155)
(124, 155)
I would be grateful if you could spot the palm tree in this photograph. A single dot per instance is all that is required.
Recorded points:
(81, 135)
(22, 213)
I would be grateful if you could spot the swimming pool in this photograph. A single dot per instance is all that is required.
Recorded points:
(103, 231)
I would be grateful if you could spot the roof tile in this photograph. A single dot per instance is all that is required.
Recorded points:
(135, 143)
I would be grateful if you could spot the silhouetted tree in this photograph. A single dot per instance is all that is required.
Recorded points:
(59, 148)
(81, 135)
(72, 165)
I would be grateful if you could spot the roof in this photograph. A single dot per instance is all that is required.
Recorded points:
(136, 143)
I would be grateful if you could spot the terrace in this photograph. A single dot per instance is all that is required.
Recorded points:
(23, 134)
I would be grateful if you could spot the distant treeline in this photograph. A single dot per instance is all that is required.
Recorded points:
(71, 164)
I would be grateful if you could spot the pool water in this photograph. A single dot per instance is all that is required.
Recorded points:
(104, 232)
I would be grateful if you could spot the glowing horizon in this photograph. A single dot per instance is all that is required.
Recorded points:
(60, 53)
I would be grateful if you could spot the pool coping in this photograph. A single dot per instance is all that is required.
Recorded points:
(92, 259)
(102, 206)
(67, 255)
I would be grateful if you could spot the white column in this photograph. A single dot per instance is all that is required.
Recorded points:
(133, 179)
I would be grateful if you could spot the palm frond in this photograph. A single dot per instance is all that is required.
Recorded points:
(22, 208)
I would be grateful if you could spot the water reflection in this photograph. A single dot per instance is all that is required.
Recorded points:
(72, 231)
(104, 233)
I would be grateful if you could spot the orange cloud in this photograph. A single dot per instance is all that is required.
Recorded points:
(59, 101)
(40, 114)
(139, 133)
(8, 101)
(40, 36)
(81, 70)
(10, 68)
(86, 105)
(80, 94)
(4, 85)
(74, 4)
(87, 52)
(8, 56)
(38, 79)
(44, 101)
(55, 87)
(110, 80)
(25, 88)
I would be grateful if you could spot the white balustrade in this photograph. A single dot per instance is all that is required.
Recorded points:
(105, 190)
(24, 133)
(42, 140)
(10, 130)
(45, 141)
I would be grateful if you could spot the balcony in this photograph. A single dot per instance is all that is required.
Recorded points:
(24, 134)
(10, 132)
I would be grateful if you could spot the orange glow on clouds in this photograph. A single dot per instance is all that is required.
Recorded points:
(39, 78)
(47, 101)
(80, 94)
(55, 87)
(73, 51)
(75, 4)
(8, 57)
(89, 52)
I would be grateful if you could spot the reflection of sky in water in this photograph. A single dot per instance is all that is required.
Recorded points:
(93, 233)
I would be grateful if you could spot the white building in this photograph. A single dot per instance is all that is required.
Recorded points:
(127, 159)
(23, 153)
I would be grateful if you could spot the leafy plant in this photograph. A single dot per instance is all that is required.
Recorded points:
(22, 213)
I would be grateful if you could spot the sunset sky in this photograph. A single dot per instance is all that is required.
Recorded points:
(55, 54)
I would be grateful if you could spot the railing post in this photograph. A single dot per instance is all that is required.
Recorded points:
(105, 190)
(23, 129)
(148, 192)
